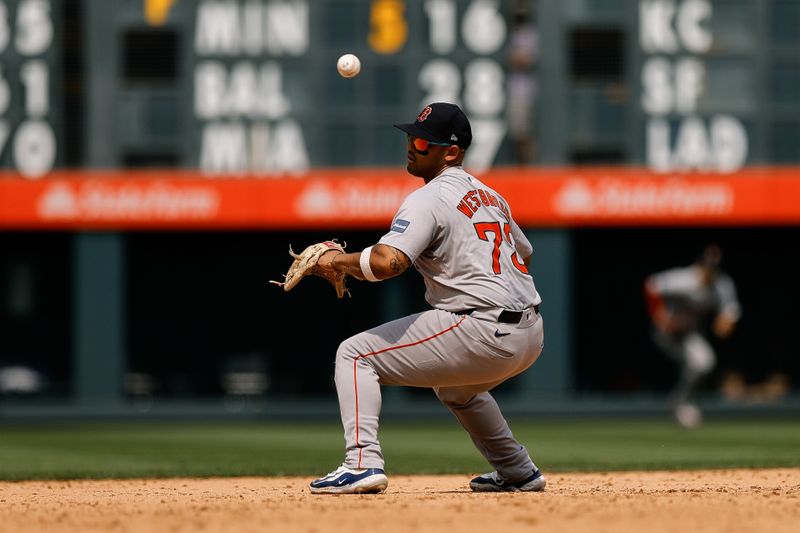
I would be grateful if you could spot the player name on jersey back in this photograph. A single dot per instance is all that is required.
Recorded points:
(477, 198)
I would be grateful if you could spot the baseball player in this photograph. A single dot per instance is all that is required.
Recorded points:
(484, 326)
(678, 300)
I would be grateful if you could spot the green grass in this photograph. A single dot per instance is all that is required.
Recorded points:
(308, 449)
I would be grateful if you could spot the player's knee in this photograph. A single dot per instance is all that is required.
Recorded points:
(454, 398)
(699, 356)
(349, 351)
(700, 361)
(346, 351)
(701, 366)
(344, 359)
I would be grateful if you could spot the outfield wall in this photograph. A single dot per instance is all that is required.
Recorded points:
(151, 287)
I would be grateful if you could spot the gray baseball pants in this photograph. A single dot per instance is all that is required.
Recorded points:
(695, 356)
(461, 357)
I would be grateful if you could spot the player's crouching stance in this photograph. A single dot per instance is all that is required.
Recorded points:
(484, 326)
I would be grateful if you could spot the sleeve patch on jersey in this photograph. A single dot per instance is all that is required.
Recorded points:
(400, 225)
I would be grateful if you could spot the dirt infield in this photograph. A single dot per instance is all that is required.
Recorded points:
(708, 501)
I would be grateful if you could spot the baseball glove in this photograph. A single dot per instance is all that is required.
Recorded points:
(306, 263)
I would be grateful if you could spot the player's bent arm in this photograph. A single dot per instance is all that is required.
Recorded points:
(655, 304)
(724, 324)
(652, 296)
(384, 261)
(387, 261)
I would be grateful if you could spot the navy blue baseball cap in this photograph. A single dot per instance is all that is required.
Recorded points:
(441, 122)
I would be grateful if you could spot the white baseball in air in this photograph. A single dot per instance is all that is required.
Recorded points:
(348, 66)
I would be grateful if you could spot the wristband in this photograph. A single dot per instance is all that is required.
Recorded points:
(363, 262)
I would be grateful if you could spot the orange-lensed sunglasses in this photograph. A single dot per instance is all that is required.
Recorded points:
(421, 145)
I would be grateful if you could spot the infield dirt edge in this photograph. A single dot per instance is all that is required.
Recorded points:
(743, 500)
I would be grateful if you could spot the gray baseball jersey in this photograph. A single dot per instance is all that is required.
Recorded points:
(688, 299)
(460, 236)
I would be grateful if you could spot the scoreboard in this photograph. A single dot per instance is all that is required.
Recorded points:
(267, 97)
(250, 87)
(685, 130)
(29, 72)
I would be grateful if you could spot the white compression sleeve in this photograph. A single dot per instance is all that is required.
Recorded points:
(364, 264)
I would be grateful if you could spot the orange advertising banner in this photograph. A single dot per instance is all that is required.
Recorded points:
(369, 197)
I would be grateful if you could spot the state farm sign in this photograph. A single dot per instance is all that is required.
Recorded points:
(626, 198)
(368, 198)
(353, 199)
(149, 201)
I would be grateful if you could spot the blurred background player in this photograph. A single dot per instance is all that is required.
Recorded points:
(678, 301)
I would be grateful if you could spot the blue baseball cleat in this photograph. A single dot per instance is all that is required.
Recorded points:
(345, 480)
(491, 482)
